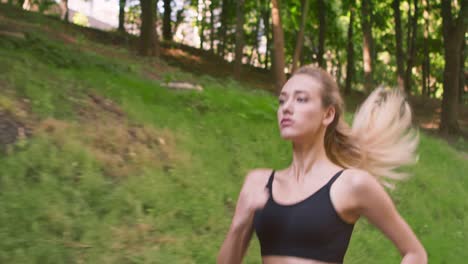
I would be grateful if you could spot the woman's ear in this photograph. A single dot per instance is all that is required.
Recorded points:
(329, 116)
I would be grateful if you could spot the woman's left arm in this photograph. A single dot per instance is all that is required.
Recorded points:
(375, 204)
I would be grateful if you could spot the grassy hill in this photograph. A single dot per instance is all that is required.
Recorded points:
(100, 163)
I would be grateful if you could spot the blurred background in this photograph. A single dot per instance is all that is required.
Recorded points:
(127, 127)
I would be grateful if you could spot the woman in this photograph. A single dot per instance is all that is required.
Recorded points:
(306, 212)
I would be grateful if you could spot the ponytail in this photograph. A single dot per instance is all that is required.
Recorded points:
(383, 130)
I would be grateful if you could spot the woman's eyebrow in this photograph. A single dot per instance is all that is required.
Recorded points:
(295, 92)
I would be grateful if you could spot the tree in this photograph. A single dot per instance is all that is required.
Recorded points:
(278, 39)
(212, 26)
(426, 61)
(222, 30)
(411, 48)
(167, 30)
(399, 43)
(239, 38)
(265, 12)
(350, 51)
(64, 10)
(300, 35)
(322, 10)
(149, 44)
(461, 84)
(122, 15)
(255, 48)
(367, 43)
(201, 5)
(453, 33)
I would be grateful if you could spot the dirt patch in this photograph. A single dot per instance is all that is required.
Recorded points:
(102, 127)
(136, 238)
(11, 129)
(427, 113)
(15, 123)
(123, 148)
(204, 62)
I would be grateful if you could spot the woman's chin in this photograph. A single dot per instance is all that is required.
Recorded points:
(288, 136)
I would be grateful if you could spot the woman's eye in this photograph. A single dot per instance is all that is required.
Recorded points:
(280, 101)
(302, 100)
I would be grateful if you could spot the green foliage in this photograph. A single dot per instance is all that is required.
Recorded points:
(57, 206)
(44, 5)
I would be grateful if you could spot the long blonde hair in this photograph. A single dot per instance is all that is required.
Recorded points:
(381, 137)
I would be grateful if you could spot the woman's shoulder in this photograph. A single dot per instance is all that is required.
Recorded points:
(257, 176)
(357, 177)
(358, 186)
(358, 181)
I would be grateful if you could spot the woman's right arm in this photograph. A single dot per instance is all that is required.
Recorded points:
(253, 196)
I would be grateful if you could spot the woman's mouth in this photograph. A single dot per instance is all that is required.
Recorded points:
(286, 122)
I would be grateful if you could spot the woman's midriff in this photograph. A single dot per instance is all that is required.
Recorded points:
(291, 260)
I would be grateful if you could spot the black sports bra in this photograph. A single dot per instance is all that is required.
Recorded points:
(308, 229)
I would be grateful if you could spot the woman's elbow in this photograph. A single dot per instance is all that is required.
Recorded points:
(422, 255)
(424, 258)
(418, 257)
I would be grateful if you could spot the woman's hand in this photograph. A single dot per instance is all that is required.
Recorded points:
(252, 198)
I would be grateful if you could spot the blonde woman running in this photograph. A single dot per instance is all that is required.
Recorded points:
(305, 213)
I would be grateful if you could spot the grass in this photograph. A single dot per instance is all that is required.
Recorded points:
(60, 204)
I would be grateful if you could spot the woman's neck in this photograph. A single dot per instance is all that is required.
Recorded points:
(308, 158)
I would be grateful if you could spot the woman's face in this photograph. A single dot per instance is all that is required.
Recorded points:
(300, 111)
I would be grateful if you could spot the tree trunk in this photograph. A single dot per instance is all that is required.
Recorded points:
(239, 39)
(167, 30)
(411, 51)
(67, 12)
(64, 10)
(212, 27)
(222, 29)
(122, 15)
(201, 13)
(399, 46)
(266, 22)
(179, 19)
(461, 84)
(278, 39)
(367, 44)
(302, 58)
(426, 60)
(148, 38)
(453, 32)
(322, 10)
(255, 43)
(337, 70)
(350, 52)
(300, 35)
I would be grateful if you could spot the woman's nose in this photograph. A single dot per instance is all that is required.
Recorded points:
(287, 106)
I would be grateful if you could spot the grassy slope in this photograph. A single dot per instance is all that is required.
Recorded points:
(57, 205)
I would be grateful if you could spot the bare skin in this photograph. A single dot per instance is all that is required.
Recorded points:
(354, 194)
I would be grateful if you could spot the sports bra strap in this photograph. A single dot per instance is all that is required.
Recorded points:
(332, 180)
(272, 176)
(270, 180)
